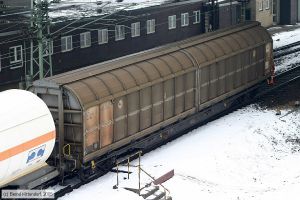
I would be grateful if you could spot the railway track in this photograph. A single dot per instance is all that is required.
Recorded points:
(286, 77)
(281, 79)
(286, 50)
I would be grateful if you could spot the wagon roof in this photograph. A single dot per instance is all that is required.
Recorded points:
(103, 81)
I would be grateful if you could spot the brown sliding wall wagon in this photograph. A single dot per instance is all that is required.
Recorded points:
(105, 107)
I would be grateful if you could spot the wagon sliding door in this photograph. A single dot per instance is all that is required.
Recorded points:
(157, 103)
(106, 124)
(189, 90)
(133, 113)
(168, 99)
(91, 119)
(179, 96)
(120, 118)
(146, 108)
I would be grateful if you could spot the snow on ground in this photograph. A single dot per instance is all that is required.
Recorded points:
(282, 39)
(287, 62)
(244, 155)
(74, 9)
(285, 38)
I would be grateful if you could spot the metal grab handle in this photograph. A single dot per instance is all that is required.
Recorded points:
(69, 150)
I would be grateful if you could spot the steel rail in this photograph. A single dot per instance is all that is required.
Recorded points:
(287, 46)
(286, 50)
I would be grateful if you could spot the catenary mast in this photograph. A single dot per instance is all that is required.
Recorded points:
(40, 42)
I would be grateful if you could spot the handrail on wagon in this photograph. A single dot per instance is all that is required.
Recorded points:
(140, 170)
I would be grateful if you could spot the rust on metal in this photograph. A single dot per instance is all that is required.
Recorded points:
(91, 119)
(106, 123)
(164, 178)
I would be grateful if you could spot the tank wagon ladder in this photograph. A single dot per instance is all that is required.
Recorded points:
(147, 191)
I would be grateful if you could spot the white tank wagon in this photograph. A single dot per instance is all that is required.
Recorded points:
(27, 135)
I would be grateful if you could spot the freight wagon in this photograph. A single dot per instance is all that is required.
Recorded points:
(104, 107)
(104, 111)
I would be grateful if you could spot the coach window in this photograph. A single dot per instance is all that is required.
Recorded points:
(197, 17)
(135, 29)
(184, 19)
(267, 4)
(172, 22)
(102, 36)
(120, 32)
(150, 26)
(260, 5)
(85, 39)
(15, 54)
(66, 43)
